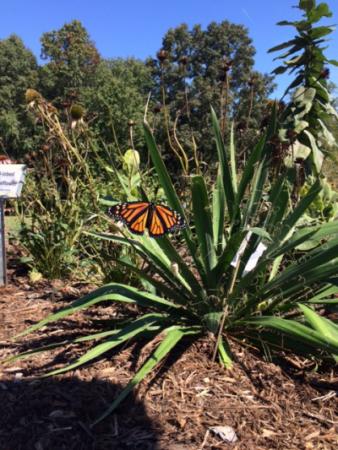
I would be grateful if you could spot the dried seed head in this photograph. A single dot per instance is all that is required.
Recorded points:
(162, 55)
(31, 96)
(252, 80)
(183, 60)
(241, 126)
(157, 108)
(77, 112)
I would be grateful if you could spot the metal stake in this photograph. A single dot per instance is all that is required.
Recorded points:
(3, 264)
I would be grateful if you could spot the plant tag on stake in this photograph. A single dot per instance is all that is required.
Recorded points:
(253, 260)
(11, 180)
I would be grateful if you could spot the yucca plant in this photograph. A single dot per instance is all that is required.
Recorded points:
(219, 290)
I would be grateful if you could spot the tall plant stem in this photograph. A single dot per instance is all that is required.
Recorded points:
(166, 121)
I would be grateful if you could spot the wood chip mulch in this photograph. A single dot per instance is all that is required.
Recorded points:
(287, 406)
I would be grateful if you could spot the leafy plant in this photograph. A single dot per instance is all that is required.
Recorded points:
(309, 117)
(218, 290)
(56, 195)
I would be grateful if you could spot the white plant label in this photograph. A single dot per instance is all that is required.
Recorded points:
(12, 177)
(253, 260)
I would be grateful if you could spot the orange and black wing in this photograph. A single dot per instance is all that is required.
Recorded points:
(164, 220)
(133, 214)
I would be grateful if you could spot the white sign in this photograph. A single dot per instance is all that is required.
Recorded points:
(11, 180)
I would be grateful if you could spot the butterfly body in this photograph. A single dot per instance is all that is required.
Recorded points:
(158, 219)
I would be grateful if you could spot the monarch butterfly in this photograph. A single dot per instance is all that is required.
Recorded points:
(158, 219)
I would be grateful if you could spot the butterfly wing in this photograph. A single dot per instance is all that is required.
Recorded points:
(164, 220)
(133, 214)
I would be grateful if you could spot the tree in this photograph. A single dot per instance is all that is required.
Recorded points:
(117, 99)
(18, 71)
(197, 68)
(72, 60)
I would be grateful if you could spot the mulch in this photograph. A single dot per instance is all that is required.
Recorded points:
(290, 405)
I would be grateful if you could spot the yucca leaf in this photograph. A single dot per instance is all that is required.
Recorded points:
(145, 323)
(256, 192)
(224, 165)
(203, 224)
(321, 324)
(175, 258)
(218, 213)
(169, 189)
(293, 217)
(44, 348)
(321, 296)
(249, 170)
(323, 262)
(110, 292)
(228, 255)
(225, 354)
(172, 336)
(298, 330)
(160, 286)
(153, 254)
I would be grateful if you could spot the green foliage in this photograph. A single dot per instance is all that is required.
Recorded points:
(196, 68)
(118, 95)
(310, 117)
(72, 60)
(18, 71)
(58, 189)
(217, 289)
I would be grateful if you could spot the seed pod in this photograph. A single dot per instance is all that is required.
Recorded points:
(77, 112)
(162, 55)
(31, 95)
(157, 108)
(183, 60)
(131, 161)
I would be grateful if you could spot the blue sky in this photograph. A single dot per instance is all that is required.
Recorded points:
(135, 28)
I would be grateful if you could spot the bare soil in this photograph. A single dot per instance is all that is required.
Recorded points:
(286, 406)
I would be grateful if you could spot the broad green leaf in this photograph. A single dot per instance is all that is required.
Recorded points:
(260, 232)
(307, 5)
(322, 10)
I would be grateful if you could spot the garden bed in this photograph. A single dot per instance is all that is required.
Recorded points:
(269, 406)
